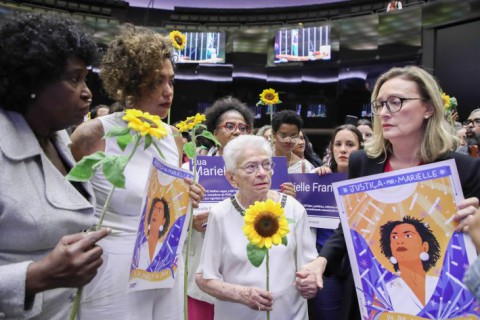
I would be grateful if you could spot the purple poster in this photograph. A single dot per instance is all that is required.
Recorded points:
(407, 260)
(211, 175)
(315, 193)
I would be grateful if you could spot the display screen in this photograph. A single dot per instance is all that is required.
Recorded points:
(302, 44)
(203, 47)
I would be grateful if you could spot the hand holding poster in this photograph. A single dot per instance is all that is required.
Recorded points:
(162, 228)
(407, 259)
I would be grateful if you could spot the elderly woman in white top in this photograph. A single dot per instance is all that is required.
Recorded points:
(225, 271)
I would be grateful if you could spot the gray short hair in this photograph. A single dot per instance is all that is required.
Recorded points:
(234, 149)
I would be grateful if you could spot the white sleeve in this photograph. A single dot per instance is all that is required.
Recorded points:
(211, 258)
(306, 250)
(13, 303)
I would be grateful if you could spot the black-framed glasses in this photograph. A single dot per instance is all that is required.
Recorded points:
(475, 122)
(393, 104)
(252, 167)
(284, 138)
(232, 126)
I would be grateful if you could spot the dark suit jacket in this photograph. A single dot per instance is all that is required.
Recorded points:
(335, 248)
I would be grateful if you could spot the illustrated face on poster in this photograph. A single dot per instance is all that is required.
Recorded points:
(161, 229)
(407, 257)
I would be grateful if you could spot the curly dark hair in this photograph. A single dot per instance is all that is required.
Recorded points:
(222, 105)
(34, 51)
(166, 214)
(351, 128)
(423, 230)
(133, 61)
(286, 117)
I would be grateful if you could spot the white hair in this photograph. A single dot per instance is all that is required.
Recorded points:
(234, 149)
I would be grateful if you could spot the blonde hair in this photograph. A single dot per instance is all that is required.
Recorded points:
(439, 138)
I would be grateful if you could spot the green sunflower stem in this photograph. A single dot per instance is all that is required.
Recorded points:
(268, 278)
(76, 304)
(271, 118)
(78, 296)
(189, 238)
(158, 150)
(168, 117)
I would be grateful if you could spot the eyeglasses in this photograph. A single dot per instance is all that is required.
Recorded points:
(475, 122)
(232, 126)
(252, 167)
(283, 138)
(393, 104)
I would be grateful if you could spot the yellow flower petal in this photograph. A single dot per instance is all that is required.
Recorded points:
(265, 223)
(145, 123)
(178, 39)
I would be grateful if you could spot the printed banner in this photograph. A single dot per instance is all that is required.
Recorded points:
(315, 193)
(211, 175)
(162, 229)
(407, 259)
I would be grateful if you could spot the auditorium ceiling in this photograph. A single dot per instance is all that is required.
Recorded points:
(226, 4)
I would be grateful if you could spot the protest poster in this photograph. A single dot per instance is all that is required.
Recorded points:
(407, 260)
(162, 228)
(211, 175)
(315, 193)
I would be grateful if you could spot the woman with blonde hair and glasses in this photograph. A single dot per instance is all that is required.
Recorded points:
(409, 130)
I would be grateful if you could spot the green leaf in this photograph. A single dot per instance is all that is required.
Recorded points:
(113, 168)
(85, 168)
(117, 131)
(255, 254)
(209, 135)
(285, 241)
(290, 221)
(124, 140)
(189, 149)
(201, 125)
(148, 141)
(260, 103)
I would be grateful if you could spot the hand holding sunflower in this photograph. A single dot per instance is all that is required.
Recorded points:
(265, 224)
(143, 125)
(450, 107)
(191, 124)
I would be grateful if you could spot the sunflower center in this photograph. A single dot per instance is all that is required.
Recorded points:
(150, 122)
(266, 224)
(269, 96)
(178, 39)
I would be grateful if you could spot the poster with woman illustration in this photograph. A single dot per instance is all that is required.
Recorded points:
(407, 259)
(162, 229)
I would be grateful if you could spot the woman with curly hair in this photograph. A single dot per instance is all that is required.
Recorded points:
(136, 70)
(43, 70)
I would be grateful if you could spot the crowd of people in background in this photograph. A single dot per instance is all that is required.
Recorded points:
(44, 254)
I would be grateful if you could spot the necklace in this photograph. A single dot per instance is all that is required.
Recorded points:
(240, 210)
(237, 206)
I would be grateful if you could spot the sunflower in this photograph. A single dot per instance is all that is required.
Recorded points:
(265, 224)
(189, 123)
(179, 40)
(446, 100)
(145, 123)
(269, 96)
